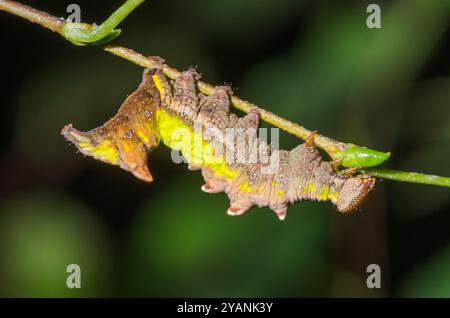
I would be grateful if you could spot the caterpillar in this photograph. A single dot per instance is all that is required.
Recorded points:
(240, 164)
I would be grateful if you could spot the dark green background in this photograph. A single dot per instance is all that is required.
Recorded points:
(313, 62)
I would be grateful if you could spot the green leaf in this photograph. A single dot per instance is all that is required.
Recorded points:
(362, 157)
(86, 34)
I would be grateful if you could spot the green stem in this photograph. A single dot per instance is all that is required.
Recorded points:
(406, 176)
(81, 33)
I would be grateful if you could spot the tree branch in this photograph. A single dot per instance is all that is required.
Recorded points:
(33, 15)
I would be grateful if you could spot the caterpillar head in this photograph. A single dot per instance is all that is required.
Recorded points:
(353, 193)
(118, 147)
(126, 138)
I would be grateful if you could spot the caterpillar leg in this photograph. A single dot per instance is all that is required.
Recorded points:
(310, 139)
(335, 164)
(192, 167)
(185, 96)
(213, 183)
(236, 209)
(247, 127)
(244, 190)
(157, 61)
(281, 212)
(349, 172)
(252, 119)
(212, 187)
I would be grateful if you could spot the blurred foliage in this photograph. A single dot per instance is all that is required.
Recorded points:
(430, 278)
(184, 242)
(40, 234)
(315, 63)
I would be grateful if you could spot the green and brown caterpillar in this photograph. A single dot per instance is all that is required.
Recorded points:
(240, 163)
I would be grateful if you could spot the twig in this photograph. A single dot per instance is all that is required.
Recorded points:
(33, 15)
(349, 154)
(407, 176)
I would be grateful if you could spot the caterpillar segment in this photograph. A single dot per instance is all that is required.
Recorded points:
(185, 97)
(214, 113)
(213, 116)
(223, 146)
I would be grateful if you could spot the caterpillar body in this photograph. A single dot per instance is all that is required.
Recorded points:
(240, 164)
